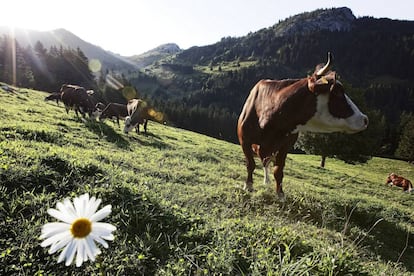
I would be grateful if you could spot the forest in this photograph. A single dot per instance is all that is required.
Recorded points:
(203, 88)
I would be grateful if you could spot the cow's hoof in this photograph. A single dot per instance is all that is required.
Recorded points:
(248, 187)
(281, 197)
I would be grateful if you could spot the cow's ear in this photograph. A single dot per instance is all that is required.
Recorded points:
(331, 77)
(318, 85)
(322, 84)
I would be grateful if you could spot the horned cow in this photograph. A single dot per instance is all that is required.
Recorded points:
(275, 112)
(137, 114)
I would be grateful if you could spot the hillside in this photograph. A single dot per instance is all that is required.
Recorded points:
(178, 205)
(63, 38)
(156, 54)
(210, 83)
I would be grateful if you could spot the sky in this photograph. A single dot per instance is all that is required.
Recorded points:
(130, 27)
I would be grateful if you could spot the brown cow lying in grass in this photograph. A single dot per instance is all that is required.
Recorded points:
(400, 181)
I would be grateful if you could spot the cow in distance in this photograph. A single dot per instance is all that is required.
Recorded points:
(399, 181)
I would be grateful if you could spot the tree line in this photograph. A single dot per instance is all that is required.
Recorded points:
(376, 56)
(210, 103)
(43, 69)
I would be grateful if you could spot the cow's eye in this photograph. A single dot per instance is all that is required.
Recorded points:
(338, 105)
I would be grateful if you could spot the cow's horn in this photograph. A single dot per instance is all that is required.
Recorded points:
(323, 70)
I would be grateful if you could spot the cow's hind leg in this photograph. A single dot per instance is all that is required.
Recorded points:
(280, 164)
(145, 126)
(278, 173)
(250, 165)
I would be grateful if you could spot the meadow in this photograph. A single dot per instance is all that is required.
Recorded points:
(179, 207)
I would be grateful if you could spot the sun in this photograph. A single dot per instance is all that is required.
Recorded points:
(31, 15)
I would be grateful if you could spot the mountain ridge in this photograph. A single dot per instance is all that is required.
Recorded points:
(150, 56)
(62, 37)
(335, 19)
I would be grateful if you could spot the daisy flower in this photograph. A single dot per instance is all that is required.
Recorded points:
(78, 230)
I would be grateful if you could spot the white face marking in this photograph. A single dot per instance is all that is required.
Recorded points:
(323, 121)
(96, 114)
(127, 127)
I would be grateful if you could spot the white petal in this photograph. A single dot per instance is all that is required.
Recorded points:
(93, 206)
(109, 237)
(60, 215)
(94, 249)
(53, 228)
(66, 208)
(68, 253)
(71, 252)
(89, 250)
(61, 243)
(54, 239)
(63, 253)
(80, 204)
(85, 204)
(102, 228)
(100, 240)
(79, 255)
(104, 212)
(98, 251)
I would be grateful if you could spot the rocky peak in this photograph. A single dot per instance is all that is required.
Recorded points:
(335, 19)
(168, 48)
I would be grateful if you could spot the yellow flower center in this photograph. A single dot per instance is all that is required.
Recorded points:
(81, 227)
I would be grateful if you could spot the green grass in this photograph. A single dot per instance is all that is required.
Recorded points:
(178, 204)
(225, 67)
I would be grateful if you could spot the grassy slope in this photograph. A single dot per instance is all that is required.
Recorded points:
(179, 207)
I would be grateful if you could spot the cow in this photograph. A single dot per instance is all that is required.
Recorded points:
(137, 114)
(77, 98)
(114, 110)
(55, 96)
(275, 112)
(399, 181)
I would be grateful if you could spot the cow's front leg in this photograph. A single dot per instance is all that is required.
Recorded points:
(278, 172)
(266, 164)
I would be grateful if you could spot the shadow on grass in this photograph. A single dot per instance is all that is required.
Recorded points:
(157, 233)
(155, 141)
(108, 133)
(383, 237)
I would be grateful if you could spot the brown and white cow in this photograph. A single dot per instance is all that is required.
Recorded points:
(277, 110)
(114, 110)
(137, 114)
(77, 98)
(399, 181)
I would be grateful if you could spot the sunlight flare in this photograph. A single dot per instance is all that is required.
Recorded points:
(129, 93)
(113, 82)
(95, 65)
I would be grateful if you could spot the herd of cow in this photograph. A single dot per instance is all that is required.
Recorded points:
(274, 113)
(75, 97)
